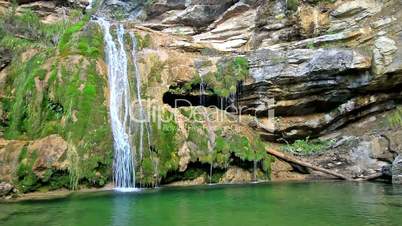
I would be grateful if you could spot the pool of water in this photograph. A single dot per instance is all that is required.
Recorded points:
(293, 204)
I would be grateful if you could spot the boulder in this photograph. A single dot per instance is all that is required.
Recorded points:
(235, 175)
(197, 181)
(51, 154)
(397, 170)
(200, 14)
(5, 189)
(383, 54)
(9, 152)
(281, 170)
(161, 6)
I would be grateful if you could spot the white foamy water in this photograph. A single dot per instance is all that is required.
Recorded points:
(120, 107)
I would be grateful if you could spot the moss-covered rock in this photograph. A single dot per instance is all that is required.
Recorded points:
(62, 90)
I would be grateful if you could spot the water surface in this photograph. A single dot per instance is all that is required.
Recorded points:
(282, 204)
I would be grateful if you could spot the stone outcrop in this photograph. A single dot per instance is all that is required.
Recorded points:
(236, 175)
(200, 14)
(315, 90)
(316, 67)
(50, 154)
(48, 11)
(397, 170)
(5, 189)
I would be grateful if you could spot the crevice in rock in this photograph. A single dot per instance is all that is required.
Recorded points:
(187, 100)
(194, 98)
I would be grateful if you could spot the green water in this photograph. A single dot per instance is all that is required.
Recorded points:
(309, 204)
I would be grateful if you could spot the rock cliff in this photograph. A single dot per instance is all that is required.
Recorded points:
(320, 79)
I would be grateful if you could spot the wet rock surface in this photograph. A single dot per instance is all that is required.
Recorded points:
(397, 170)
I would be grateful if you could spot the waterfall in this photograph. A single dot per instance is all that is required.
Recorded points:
(120, 107)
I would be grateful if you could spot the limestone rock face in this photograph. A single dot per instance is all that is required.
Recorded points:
(384, 49)
(9, 152)
(162, 6)
(200, 14)
(397, 170)
(284, 171)
(236, 175)
(48, 11)
(50, 153)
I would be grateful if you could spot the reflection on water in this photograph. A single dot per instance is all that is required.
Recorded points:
(121, 211)
(314, 203)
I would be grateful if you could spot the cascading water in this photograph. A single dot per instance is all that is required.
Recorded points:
(120, 107)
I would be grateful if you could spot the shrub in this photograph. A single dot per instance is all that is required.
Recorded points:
(229, 73)
(307, 146)
(395, 118)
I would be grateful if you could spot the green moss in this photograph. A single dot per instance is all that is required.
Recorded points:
(66, 38)
(217, 175)
(191, 114)
(25, 114)
(292, 4)
(229, 73)
(86, 118)
(15, 44)
(91, 43)
(198, 137)
(155, 74)
(26, 28)
(143, 41)
(26, 178)
(165, 143)
(70, 102)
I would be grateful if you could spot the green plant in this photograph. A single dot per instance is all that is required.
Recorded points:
(119, 14)
(229, 73)
(28, 27)
(26, 178)
(395, 118)
(143, 41)
(292, 4)
(310, 45)
(307, 146)
(68, 34)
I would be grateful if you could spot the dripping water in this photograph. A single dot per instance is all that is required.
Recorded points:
(143, 128)
(202, 102)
